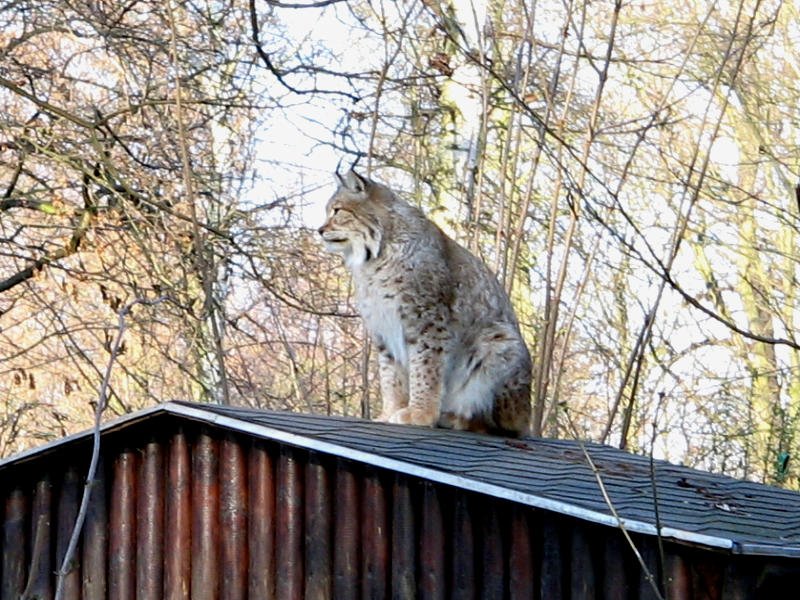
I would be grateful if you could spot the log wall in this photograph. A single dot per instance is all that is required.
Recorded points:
(206, 514)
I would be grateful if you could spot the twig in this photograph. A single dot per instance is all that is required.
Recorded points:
(620, 523)
(317, 4)
(637, 356)
(46, 106)
(255, 36)
(387, 62)
(654, 488)
(102, 401)
(549, 415)
(552, 317)
(203, 267)
(365, 354)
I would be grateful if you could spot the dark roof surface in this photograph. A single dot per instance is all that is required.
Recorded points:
(693, 506)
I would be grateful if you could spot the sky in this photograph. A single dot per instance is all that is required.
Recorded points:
(293, 139)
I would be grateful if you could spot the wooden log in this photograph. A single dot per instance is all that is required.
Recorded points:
(493, 559)
(289, 526)
(347, 533)
(94, 550)
(616, 560)
(376, 538)
(521, 569)
(14, 545)
(741, 578)
(582, 572)
(464, 582)
(678, 578)
(318, 530)
(552, 569)
(178, 539)
(404, 543)
(649, 578)
(205, 518)
(708, 571)
(233, 518)
(150, 524)
(68, 503)
(122, 529)
(40, 580)
(261, 524)
(432, 545)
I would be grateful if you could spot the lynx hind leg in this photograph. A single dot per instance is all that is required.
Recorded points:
(491, 392)
(511, 414)
(394, 386)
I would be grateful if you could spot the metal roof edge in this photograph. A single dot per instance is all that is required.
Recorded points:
(698, 538)
(752, 549)
(443, 477)
(117, 423)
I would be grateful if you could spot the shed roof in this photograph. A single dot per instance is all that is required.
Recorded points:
(555, 475)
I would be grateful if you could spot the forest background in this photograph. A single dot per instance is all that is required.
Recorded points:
(628, 169)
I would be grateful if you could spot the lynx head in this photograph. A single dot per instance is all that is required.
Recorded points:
(353, 225)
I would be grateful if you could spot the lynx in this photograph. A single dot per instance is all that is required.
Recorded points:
(450, 352)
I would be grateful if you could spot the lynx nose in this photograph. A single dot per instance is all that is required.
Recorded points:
(321, 230)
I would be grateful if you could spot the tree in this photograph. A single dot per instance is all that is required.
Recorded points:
(628, 170)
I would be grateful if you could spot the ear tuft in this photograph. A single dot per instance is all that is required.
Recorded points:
(353, 182)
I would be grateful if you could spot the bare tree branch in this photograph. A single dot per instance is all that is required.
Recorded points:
(278, 73)
(317, 4)
(102, 400)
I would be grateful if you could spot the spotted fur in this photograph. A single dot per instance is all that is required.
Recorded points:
(450, 349)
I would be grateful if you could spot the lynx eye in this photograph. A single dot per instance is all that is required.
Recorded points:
(336, 209)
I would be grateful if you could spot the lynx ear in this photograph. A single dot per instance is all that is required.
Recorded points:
(353, 182)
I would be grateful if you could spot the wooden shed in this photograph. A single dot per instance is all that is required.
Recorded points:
(207, 502)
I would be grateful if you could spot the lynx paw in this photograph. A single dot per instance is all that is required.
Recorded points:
(450, 420)
(415, 416)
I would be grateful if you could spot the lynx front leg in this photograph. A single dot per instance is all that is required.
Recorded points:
(394, 385)
(424, 385)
